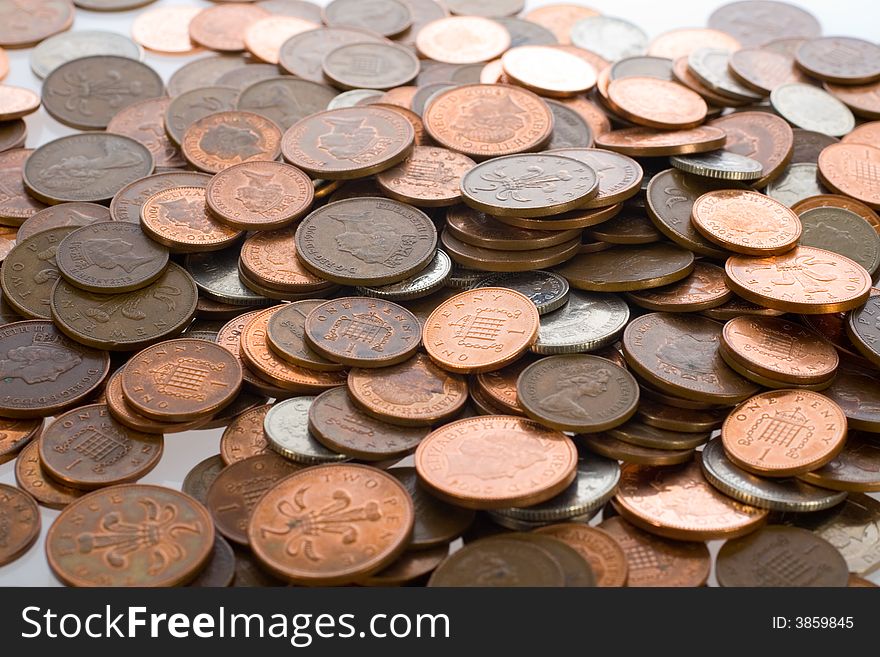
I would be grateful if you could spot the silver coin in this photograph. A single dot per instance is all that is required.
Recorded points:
(797, 182)
(499, 518)
(463, 278)
(709, 66)
(610, 38)
(642, 66)
(811, 108)
(287, 430)
(285, 100)
(723, 165)
(419, 285)
(548, 291)
(526, 33)
(569, 128)
(216, 276)
(594, 484)
(354, 97)
(590, 320)
(426, 94)
(787, 494)
(64, 47)
(842, 231)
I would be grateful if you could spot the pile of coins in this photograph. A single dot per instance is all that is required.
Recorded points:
(456, 283)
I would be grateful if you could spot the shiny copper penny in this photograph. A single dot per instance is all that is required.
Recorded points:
(223, 139)
(21, 523)
(679, 354)
(656, 561)
(462, 40)
(413, 393)
(805, 279)
(863, 100)
(704, 288)
(429, 177)
(269, 257)
(237, 489)
(852, 169)
(481, 330)
(486, 120)
(123, 413)
(650, 142)
(784, 432)
(746, 222)
(222, 27)
(628, 268)
(496, 461)
(656, 103)
(166, 30)
(338, 424)
(87, 448)
(604, 554)
(16, 434)
(761, 136)
(83, 544)
(780, 349)
(376, 510)
(181, 379)
(349, 142)
(548, 71)
(31, 478)
(244, 437)
(178, 218)
(259, 195)
(264, 37)
(679, 503)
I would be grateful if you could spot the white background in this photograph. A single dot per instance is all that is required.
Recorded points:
(858, 18)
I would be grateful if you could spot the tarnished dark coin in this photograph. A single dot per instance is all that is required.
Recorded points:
(246, 75)
(216, 275)
(181, 380)
(370, 65)
(199, 479)
(244, 401)
(570, 129)
(842, 231)
(856, 389)
(286, 336)
(653, 412)
(342, 427)
(12, 134)
(679, 354)
(863, 329)
(188, 107)
(29, 272)
(259, 195)
(613, 448)
(302, 54)
(630, 226)
(16, 434)
(487, 259)
(178, 217)
(517, 563)
(576, 568)
(349, 142)
(16, 204)
(644, 435)
(202, 72)
(780, 556)
(110, 257)
(362, 332)
(761, 136)
(578, 393)
(285, 100)
(704, 288)
(128, 201)
(245, 437)
(586, 322)
(385, 17)
(21, 524)
(85, 167)
(144, 121)
(223, 139)
(27, 25)
(87, 448)
(856, 468)
(234, 493)
(548, 291)
(429, 177)
(410, 568)
(808, 144)
(130, 320)
(627, 268)
(220, 570)
(756, 22)
(63, 214)
(86, 93)
(31, 478)
(366, 241)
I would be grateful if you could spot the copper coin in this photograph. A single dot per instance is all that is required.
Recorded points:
(656, 561)
(610, 447)
(655, 413)
(376, 512)
(270, 258)
(370, 65)
(349, 142)
(486, 259)
(286, 334)
(558, 18)
(639, 99)
(761, 136)
(202, 72)
(755, 22)
(144, 122)
(484, 120)
(627, 268)
(784, 432)
(780, 349)
(166, 30)
(21, 27)
(194, 104)
(781, 556)
(683, 41)
(679, 354)
(828, 201)
(462, 40)
(362, 332)
(704, 288)
(63, 214)
(421, 138)
(570, 128)
(87, 448)
(181, 380)
(29, 272)
(855, 468)
(222, 27)
(856, 389)
(411, 568)
(866, 133)
(600, 549)
(31, 478)
(385, 17)
(237, 489)
(463, 461)
(85, 545)
(21, 523)
(43, 372)
(852, 169)
(259, 195)
(650, 142)
(737, 307)
(16, 204)
(863, 100)
(123, 413)
(16, 434)
(844, 60)
(619, 176)
(631, 226)
(861, 327)
(637, 433)
(223, 139)
(483, 230)
(578, 393)
(366, 241)
(762, 69)
(128, 201)
(264, 37)
(808, 144)
(805, 280)
(429, 177)
(285, 100)
(339, 425)
(548, 71)
(256, 353)
(16, 102)
(302, 54)
(178, 217)
(481, 330)
(244, 437)
(499, 386)
(220, 570)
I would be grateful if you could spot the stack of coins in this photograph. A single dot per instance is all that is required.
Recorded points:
(455, 284)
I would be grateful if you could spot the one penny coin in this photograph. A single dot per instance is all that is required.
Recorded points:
(87, 448)
(123, 413)
(784, 432)
(90, 543)
(462, 40)
(245, 437)
(285, 100)
(223, 139)
(628, 268)
(598, 547)
(413, 393)
(16, 102)
(372, 509)
(386, 17)
(31, 478)
(264, 37)
(856, 468)
(270, 258)
(181, 380)
(222, 27)
(657, 103)
(760, 136)
(843, 60)
(178, 217)
(190, 106)
(21, 523)
(486, 259)
(704, 288)
(762, 69)
(852, 169)
(462, 462)
(429, 177)
(481, 330)
(259, 195)
(499, 386)
(165, 29)
(286, 334)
